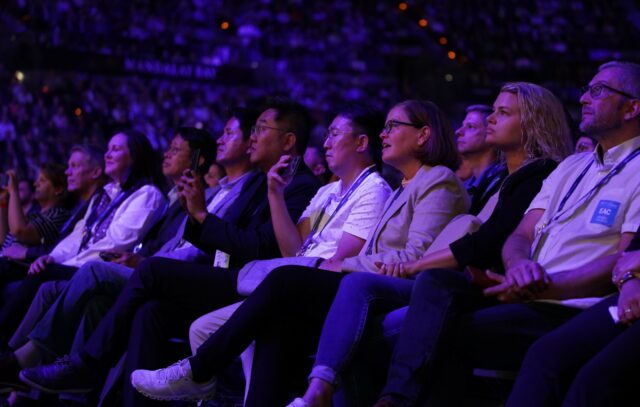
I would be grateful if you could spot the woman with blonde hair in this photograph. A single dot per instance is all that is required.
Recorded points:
(529, 127)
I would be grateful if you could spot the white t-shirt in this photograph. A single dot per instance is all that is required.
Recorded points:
(591, 229)
(357, 216)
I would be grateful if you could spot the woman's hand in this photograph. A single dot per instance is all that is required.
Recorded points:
(401, 270)
(15, 252)
(629, 301)
(40, 264)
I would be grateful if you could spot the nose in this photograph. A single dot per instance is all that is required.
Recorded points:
(491, 118)
(67, 172)
(585, 98)
(327, 143)
(458, 132)
(220, 140)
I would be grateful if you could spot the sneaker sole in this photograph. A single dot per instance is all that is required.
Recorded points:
(38, 386)
(174, 398)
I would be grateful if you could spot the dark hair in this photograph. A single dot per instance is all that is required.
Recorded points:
(368, 121)
(293, 117)
(247, 118)
(145, 162)
(199, 139)
(55, 174)
(440, 149)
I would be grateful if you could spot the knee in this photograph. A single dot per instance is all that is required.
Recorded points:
(198, 333)
(360, 285)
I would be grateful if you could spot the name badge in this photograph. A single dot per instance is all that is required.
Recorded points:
(605, 213)
(221, 259)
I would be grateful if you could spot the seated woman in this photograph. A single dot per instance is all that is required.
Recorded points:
(285, 312)
(116, 219)
(591, 360)
(19, 231)
(528, 126)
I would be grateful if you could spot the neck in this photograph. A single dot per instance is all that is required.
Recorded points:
(613, 139)
(47, 204)
(478, 162)
(514, 159)
(88, 193)
(348, 177)
(236, 170)
(409, 169)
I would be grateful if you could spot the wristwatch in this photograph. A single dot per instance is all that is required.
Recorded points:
(624, 278)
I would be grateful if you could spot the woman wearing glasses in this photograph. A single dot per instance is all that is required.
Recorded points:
(285, 313)
(529, 127)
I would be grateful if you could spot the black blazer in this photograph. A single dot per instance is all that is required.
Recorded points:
(246, 232)
(482, 249)
(165, 229)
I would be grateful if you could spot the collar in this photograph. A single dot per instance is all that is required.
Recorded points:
(172, 195)
(112, 189)
(226, 184)
(355, 179)
(605, 161)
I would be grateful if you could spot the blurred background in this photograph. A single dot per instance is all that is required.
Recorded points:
(73, 71)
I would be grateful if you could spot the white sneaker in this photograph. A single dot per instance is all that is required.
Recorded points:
(298, 402)
(174, 382)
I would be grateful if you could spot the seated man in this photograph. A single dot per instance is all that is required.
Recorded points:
(163, 295)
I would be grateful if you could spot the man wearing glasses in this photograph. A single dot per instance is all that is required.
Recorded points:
(163, 296)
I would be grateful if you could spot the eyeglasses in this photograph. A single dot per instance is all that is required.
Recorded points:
(333, 133)
(388, 126)
(260, 128)
(595, 91)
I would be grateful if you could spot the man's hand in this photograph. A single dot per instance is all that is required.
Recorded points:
(628, 261)
(401, 270)
(629, 302)
(39, 264)
(275, 183)
(127, 259)
(505, 291)
(528, 275)
(331, 265)
(15, 252)
(192, 196)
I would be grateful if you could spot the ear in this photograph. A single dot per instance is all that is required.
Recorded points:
(96, 173)
(424, 135)
(632, 111)
(363, 143)
(289, 141)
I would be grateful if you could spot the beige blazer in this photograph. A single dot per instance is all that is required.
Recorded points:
(411, 221)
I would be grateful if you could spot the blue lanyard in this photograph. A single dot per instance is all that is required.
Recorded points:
(372, 239)
(615, 171)
(344, 200)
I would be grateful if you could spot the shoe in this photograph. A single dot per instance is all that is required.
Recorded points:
(390, 401)
(172, 383)
(298, 402)
(66, 375)
(9, 369)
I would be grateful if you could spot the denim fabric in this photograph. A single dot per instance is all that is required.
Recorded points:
(360, 296)
(56, 331)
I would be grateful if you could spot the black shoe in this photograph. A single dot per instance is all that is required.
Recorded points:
(66, 375)
(9, 368)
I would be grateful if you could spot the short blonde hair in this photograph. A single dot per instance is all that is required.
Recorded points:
(545, 129)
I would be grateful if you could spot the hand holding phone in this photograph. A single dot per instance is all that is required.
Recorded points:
(289, 171)
(109, 256)
(195, 161)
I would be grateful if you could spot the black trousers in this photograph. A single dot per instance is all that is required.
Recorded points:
(18, 300)
(284, 315)
(160, 300)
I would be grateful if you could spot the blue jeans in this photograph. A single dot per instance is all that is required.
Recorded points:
(450, 327)
(589, 361)
(361, 296)
(80, 306)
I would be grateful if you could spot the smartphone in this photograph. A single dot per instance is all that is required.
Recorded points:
(4, 180)
(108, 256)
(195, 160)
(288, 172)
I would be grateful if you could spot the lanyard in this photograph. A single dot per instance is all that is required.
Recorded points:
(344, 200)
(615, 171)
(370, 245)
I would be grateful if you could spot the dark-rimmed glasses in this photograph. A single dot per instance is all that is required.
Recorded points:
(595, 91)
(388, 126)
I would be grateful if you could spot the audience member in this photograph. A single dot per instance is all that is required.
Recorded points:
(286, 311)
